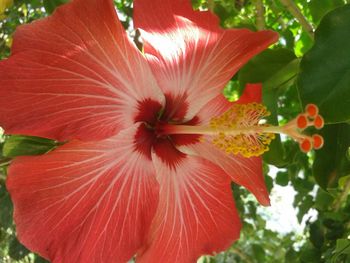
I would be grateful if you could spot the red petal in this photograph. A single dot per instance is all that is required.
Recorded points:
(247, 172)
(251, 93)
(86, 201)
(74, 74)
(243, 171)
(189, 54)
(196, 214)
(215, 107)
(218, 105)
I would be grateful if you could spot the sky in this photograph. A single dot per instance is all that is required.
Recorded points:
(281, 215)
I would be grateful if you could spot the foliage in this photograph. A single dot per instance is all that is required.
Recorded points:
(298, 70)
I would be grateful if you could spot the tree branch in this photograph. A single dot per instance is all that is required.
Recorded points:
(260, 13)
(295, 11)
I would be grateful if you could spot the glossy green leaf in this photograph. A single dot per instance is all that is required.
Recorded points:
(325, 70)
(17, 145)
(264, 66)
(330, 161)
(342, 251)
(284, 77)
(343, 246)
(318, 8)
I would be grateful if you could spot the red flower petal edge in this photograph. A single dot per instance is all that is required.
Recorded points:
(196, 213)
(243, 171)
(81, 79)
(190, 54)
(85, 201)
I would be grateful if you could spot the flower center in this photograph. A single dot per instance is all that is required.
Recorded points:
(150, 137)
(241, 130)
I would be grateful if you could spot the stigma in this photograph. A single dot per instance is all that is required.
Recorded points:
(243, 130)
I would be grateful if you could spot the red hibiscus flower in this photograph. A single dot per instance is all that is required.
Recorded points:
(127, 181)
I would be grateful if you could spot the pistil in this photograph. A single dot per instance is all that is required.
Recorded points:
(240, 130)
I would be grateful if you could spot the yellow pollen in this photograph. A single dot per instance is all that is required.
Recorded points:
(249, 142)
(240, 130)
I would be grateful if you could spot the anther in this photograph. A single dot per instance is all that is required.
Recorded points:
(318, 122)
(317, 141)
(243, 130)
(305, 145)
(302, 121)
(239, 130)
(311, 110)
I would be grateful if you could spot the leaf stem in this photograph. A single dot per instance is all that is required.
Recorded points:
(295, 11)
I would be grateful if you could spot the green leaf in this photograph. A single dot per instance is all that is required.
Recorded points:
(264, 67)
(304, 207)
(323, 200)
(284, 77)
(330, 162)
(268, 183)
(303, 186)
(50, 5)
(316, 235)
(343, 246)
(343, 181)
(6, 207)
(325, 69)
(318, 8)
(17, 145)
(310, 255)
(17, 251)
(259, 253)
(304, 44)
(251, 209)
(224, 11)
(282, 178)
(291, 256)
(342, 249)
(335, 222)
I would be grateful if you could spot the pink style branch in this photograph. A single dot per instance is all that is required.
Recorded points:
(151, 146)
